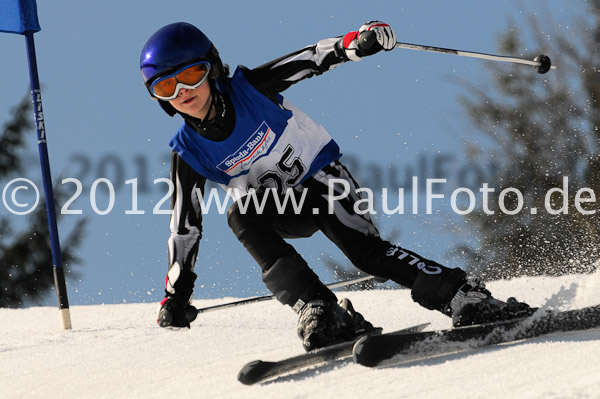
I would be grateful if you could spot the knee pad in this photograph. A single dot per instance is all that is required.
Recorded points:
(434, 291)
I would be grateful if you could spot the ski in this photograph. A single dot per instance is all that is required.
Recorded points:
(259, 370)
(386, 348)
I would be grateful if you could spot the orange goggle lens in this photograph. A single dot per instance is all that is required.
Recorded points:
(189, 77)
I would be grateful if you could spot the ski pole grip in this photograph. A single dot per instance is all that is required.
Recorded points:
(365, 41)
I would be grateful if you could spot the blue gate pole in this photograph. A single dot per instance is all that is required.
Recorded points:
(59, 274)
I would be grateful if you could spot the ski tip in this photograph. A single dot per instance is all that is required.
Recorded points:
(359, 356)
(420, 327)
(253, 372)
(364, 348)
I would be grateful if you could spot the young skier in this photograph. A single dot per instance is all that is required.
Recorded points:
(242, 133)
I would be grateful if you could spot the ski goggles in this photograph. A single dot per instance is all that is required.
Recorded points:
(190, 76)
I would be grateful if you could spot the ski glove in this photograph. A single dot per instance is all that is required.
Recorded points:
(371, 38)
(176, 310)
(175, 313)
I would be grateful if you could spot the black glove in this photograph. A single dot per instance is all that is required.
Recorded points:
(176, 313)
(176, 310)
(372, 37)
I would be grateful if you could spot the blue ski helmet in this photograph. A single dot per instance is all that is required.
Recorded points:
(174, 45)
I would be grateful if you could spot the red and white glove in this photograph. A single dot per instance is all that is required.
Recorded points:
(371, 38)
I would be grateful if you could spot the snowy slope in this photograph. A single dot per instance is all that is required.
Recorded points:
(117, 351)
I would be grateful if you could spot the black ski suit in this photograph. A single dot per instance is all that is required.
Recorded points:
(263, 233)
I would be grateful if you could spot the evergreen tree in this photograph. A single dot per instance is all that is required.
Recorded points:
(26, 272)
(542, 128)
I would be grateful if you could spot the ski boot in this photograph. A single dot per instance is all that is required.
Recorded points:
(323, 323)
(474, 304)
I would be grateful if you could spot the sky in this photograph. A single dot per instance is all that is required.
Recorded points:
(395, 115)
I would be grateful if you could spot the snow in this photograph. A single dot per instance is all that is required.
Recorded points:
(117, 351)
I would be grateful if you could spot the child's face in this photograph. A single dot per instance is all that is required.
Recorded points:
(194, 102)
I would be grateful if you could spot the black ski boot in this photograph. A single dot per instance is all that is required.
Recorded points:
(474, 304)
(323, 323)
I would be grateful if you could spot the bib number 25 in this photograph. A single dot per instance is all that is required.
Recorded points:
(288, 173)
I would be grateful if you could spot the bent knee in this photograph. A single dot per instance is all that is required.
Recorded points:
(239, 219)
(235, 217)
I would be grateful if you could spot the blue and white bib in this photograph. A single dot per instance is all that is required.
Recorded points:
(270, 146)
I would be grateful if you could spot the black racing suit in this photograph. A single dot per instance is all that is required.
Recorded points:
(264, 233)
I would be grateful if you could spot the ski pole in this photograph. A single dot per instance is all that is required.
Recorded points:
(269, 297)
(541, 62)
